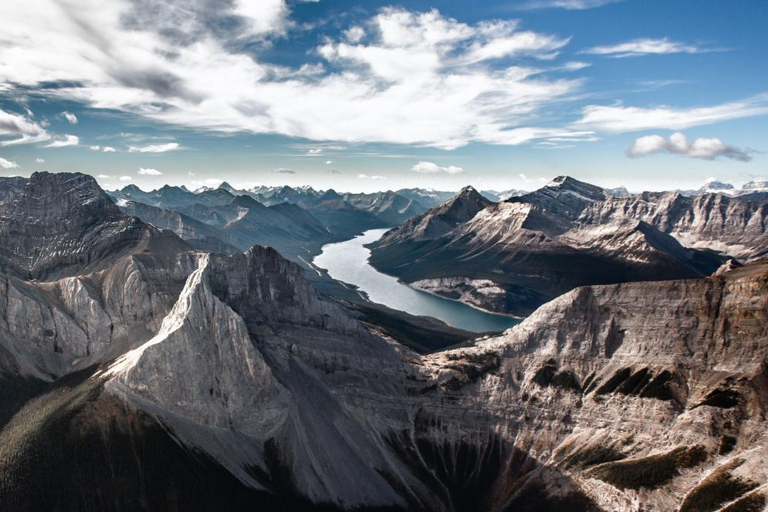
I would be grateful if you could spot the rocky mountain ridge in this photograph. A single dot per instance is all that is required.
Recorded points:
(529, 249)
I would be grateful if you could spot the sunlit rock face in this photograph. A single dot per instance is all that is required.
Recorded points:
(169, 378)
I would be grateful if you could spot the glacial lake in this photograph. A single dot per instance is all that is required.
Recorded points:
(348, 262)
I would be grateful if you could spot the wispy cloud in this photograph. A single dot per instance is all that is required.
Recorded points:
(629, 119)
(702, 148)
(155, 148)
(39, 160)
(284, 171)
(371, 177)
(63, 142)
(145, 171)
(126, 178)
(645, 46)
(433, 168)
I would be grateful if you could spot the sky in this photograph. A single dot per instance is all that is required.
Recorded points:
(364, 96)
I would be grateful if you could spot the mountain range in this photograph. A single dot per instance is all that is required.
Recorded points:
(141, 374)
(515, 255)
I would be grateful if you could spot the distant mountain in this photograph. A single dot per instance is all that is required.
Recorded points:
(441, 219)
(243, 222)
(426, 196)
(717, 187)
(514, 255)
(173, 198)
(292, 219)
(196, 233)
(496, 196)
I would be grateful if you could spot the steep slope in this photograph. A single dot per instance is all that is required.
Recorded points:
(515, 255)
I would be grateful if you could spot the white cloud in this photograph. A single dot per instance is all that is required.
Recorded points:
(7, 164)
(17, 129)
(369, 177)
(567, 4)
(628, 119)
(703, 148)
(431, 168)
(39, 160)
(155, 148)
(65, 141)
(95, 148)
(262, 16)
(108, 149)
(104, 176)
(126, 178)
(315, 151)
(645, 46)
(424, 78)
(354, 34)
(328, 162)
(144, 171)
(69, 116)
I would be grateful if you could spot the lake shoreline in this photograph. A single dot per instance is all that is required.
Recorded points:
(348, 262)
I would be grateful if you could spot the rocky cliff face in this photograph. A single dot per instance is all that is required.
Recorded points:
(568, 234)
(58, 224)
(214, 382)
(639, 392)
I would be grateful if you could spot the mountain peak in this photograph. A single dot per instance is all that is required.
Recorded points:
(574, 188)
(469, 190)
(226, 186)
(131, 189)
(713, 186)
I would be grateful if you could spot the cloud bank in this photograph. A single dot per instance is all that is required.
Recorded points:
(702, 148)
(425, 78)
(433, 168)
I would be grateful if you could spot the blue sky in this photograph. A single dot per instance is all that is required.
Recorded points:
(380, 95)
